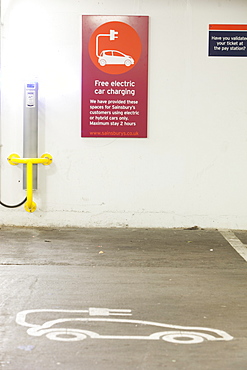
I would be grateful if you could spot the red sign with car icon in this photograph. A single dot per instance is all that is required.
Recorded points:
(114, 76)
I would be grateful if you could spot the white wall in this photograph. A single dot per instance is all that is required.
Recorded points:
(192, 169)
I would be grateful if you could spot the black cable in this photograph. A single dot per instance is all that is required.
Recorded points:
(14, 206)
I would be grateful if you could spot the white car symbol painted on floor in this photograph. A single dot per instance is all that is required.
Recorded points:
(112, 57)
(76, 328)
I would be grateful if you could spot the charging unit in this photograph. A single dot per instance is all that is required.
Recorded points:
(30, 129)
(30, 158)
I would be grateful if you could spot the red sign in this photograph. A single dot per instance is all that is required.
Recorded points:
(114, 76)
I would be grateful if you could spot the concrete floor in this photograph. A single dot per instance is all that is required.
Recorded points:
(75, 299)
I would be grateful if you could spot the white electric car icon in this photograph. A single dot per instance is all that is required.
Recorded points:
(112, 57)
(74, 327)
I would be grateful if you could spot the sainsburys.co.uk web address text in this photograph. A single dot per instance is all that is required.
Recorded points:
(114, 133)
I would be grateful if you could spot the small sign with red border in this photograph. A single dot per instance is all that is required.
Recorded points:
(114, 76)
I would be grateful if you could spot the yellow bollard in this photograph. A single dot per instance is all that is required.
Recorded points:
(30, 206)
(45, 159)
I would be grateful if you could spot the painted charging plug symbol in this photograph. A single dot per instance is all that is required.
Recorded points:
(112, 57)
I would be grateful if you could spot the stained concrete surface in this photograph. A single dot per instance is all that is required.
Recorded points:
(189, 278)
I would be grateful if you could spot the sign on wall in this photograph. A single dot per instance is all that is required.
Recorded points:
(114, 76)
(228, 40)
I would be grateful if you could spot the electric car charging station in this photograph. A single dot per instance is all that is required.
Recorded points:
(123, 134)
(30, 145)
(30, 128)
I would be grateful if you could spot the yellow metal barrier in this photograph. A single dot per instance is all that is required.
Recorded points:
(45, 159)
